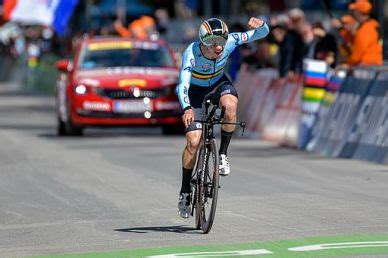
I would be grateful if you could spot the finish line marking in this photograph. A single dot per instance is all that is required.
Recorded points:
(306, 248)
(338, 246)
(214, 254)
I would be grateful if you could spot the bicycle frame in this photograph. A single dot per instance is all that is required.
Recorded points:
(206, 184)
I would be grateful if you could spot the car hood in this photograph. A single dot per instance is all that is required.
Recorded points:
(127, 77)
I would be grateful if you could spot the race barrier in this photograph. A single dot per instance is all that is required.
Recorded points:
(370, 129)
(269, 106)
(334, 82)
(342, 113)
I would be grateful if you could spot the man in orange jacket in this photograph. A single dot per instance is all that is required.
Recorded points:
(367, 48)
(347, 27)
(140, 28)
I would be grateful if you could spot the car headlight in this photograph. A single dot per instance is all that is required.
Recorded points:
(81, 89)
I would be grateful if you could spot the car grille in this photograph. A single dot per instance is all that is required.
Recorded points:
(129, 94)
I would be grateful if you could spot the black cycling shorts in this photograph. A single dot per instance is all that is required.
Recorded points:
(197, 94)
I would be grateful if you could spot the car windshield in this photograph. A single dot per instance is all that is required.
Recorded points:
(126, 54)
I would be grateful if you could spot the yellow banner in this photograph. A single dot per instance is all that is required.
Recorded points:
(109, 45)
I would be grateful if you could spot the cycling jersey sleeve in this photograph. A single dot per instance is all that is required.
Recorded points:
(185, 77)
(250, 35)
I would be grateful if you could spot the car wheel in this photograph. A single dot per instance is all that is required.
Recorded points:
(61, 127)
(173, 130)
(72, 129)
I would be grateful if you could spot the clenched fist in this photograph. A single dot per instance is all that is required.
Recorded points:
(255, 23)
(188, 117)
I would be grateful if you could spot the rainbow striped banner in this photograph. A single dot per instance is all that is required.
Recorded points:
(313, 94)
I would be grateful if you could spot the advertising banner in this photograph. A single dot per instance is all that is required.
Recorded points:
(336, 78)
(252, 90)
(342, 114)
(282, 112)
(370, 131)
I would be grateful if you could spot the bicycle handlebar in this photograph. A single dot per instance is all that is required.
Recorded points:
(214, 122)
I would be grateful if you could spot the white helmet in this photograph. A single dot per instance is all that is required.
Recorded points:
(213, 31)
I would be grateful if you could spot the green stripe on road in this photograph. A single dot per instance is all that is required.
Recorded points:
(331, 246)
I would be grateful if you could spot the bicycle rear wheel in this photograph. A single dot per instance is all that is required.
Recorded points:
(208, 190)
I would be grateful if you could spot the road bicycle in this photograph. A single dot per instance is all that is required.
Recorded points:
(205, 180)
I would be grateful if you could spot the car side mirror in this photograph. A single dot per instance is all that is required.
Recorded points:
(64, 65)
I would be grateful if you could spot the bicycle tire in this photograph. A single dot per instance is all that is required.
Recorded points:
(195, 188)
(208, 188)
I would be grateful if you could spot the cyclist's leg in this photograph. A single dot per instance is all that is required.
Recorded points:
(193, 139)
(227, 97)
(188, 162)
(189, 155)
(193, 136)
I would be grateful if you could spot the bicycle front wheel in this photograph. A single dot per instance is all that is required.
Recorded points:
(195, 186)
(208, 190)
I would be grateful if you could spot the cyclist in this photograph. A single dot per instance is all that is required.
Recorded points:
(202, 72)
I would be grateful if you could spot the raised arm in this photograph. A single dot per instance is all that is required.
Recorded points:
(258, 30)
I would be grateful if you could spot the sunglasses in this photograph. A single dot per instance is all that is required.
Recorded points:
(215, 41)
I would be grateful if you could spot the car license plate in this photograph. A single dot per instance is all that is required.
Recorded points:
(131, 106)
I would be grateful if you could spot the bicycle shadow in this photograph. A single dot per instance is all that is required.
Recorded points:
(171, 229)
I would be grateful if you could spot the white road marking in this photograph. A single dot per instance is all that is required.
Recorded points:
(214, 254)
(338, 246)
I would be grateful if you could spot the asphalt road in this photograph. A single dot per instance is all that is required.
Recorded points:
(117, 189)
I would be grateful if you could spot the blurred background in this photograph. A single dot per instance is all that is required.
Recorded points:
(49, 36)
(293, 84)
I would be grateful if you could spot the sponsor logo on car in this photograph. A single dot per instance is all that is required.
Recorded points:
(109, 45)
(96, 106)
(132, 83)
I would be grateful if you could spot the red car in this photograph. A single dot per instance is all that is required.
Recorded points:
(118, 82)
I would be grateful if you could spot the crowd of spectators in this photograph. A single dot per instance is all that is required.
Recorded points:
(351, 40)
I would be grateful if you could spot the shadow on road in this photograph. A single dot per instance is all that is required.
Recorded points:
(25, 127)
(114, 133)
(172, 229)
(272, 151)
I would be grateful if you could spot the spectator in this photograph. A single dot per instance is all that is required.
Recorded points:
(347, 27)
(367, 47)
(261, 57)
(323, 46)
(162, 21)
(292, 48)
(278, 33)
(141, 28)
